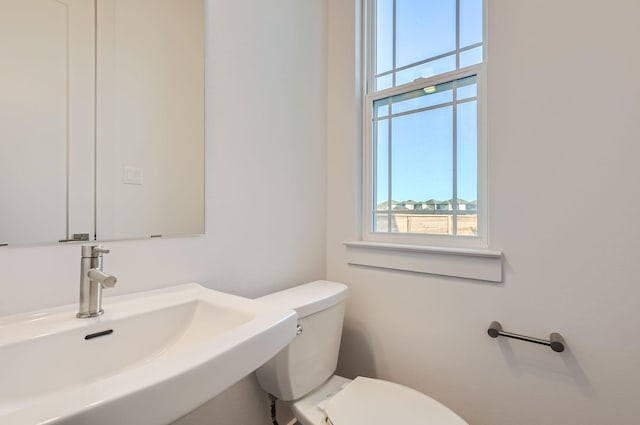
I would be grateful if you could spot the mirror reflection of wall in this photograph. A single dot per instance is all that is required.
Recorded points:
(150, 121)
(135, 151)
(46, 120)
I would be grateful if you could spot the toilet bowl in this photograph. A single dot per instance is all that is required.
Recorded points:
(303, 372)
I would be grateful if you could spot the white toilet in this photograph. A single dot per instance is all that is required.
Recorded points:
(303, 372)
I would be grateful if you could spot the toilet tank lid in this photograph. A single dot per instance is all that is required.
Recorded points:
(309, 298)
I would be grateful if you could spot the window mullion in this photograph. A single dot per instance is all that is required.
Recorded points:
(390, 127)
(374, 173)
(457, 34)
(371, 54)
(389, 158)
(455, 159)
(394, 48)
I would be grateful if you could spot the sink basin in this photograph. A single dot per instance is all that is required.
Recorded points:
(151, 358)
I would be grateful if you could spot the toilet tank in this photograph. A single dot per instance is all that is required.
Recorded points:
(311, 358)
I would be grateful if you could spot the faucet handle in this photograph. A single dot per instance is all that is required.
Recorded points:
(93, 250)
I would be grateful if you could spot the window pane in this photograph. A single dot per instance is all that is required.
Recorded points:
(421, 149)
(381, 202)
(471, 57)
(384, 82)
(426, 70)
(425, 29)
(381, 160)
(467, 88)
(470, 22)
(422, 169)
(384, 36)
(467, 168)
(425, 140)
(381, 108)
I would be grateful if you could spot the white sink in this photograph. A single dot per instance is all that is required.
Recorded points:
(170, 351)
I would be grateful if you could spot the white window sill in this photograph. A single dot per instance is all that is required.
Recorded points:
(468, 263)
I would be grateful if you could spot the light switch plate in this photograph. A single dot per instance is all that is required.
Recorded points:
(132, 175)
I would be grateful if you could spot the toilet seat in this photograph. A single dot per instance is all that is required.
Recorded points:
(367, 401)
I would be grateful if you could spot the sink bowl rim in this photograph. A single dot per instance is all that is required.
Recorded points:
(58, 405)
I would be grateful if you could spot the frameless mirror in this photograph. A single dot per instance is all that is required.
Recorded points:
(101, 119)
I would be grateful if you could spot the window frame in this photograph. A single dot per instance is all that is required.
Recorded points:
(369, 96)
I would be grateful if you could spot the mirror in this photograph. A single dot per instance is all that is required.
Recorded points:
(101, 119)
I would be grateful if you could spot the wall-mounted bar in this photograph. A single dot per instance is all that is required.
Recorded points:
(555, 341)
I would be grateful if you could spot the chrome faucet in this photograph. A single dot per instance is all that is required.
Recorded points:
(92, 280)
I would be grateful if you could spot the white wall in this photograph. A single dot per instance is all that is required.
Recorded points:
(564, 125)
(265, 146)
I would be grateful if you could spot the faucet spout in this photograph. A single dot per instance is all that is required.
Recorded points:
(92, 281)
(106, 280)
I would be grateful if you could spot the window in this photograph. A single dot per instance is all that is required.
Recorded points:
(424, 151)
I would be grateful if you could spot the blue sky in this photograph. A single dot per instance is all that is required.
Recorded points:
(422, 156)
